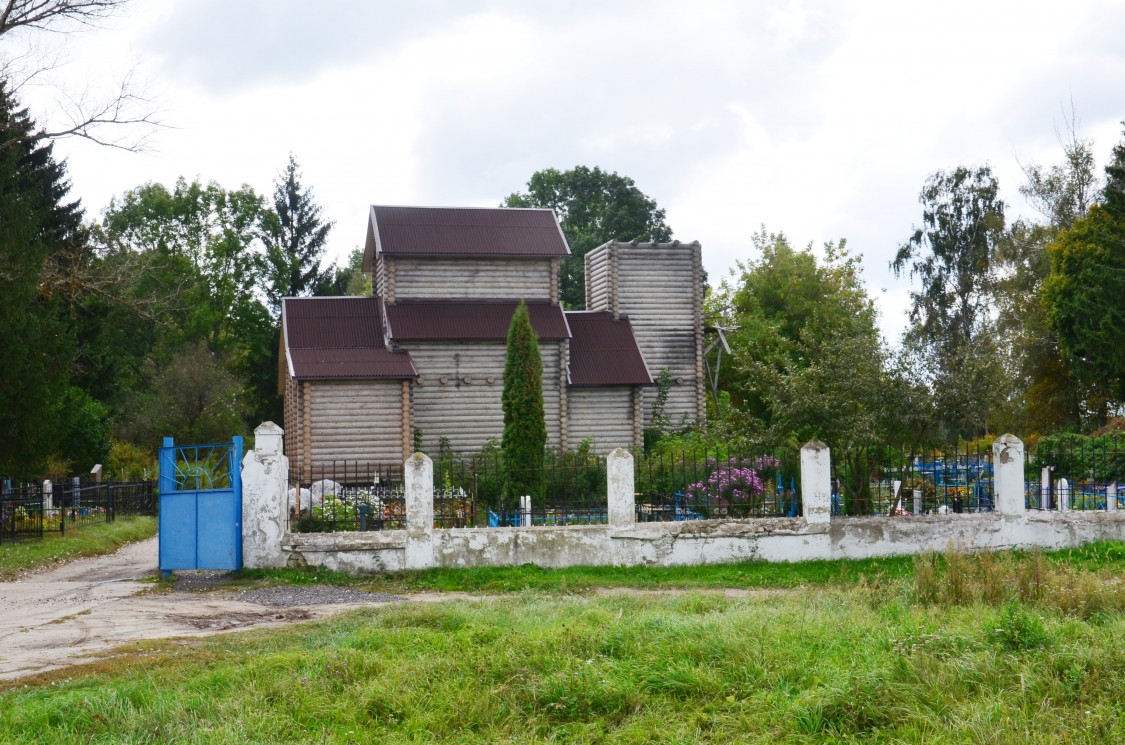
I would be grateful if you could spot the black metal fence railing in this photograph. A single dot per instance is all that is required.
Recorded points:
(698, 484)
(1074, 472)
(21, 511)
(346, 495)
(883, 480)
(31, 510)
(568, 489)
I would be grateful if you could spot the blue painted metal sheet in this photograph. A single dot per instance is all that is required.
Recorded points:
(200, 517)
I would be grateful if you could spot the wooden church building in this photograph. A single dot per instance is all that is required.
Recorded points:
(425, 353)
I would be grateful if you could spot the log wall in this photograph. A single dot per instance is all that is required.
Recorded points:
(603, 414)
(472, 277)
(659, 288)
(466, 407)
(360, 420)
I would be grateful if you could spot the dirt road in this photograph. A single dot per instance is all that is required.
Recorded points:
(84, 609)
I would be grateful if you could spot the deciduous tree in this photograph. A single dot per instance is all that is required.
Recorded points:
(593, 207)
(953, 256)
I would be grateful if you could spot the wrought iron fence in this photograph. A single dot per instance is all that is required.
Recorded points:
(702, 484)
(347, 495)
(884, 480)
(32, 510)
(1074, 472)
(568, 489)
(21, 511)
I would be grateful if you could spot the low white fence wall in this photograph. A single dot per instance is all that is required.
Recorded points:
(815, 535)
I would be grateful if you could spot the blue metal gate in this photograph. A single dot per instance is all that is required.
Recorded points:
(200, 518)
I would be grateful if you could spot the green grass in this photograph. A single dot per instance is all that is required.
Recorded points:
(90, 540)
(529, 578)
(751, 574)
(865, 661)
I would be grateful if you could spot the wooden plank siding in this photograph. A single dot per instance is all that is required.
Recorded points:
(472, 277)
(659, 288)
(602, 414)
(469, 413)
(356, 420)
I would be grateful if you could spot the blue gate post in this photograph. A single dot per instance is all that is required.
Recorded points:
(167, 489)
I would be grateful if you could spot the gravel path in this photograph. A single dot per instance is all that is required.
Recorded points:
(290, 597)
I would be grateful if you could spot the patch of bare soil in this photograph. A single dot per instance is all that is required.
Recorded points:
(82, 610)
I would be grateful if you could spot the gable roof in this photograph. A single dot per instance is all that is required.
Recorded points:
(604, 351)
(469, 320)
(463, 231)
(339, 337)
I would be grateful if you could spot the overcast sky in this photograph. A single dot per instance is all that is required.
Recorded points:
(821, 120)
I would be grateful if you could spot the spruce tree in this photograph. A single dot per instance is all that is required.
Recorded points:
(295, 234)
(525, 427)
(37, 344)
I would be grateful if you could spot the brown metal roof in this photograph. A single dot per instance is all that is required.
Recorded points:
(448, 231)
(469, 320)
(604, 351)
(340, 337)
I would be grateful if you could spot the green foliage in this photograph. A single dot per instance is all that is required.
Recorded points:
(1080, 457)
(1115, 181)
(953, 256)
(128, 462)
(295, 234)
(1085, 297)
(1048, 396)
(593, 207)
(1017, 629)
(193, 398)
(85, 430)
(658, 421)
(525, 428)
(40, 232)
(187, 256)
(799, 321)
(349, 279)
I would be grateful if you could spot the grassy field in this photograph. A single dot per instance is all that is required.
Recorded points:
(756, 574)
(1014, 648)
(90, 540)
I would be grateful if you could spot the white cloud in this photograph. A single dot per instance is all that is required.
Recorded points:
(819, 119)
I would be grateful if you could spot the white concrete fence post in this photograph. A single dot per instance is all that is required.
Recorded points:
(1007, 465)
(816, 482)
(620, 489)
(1111, 497)
(418, 472)
(525, 511)
(48, 495)
(265, 480)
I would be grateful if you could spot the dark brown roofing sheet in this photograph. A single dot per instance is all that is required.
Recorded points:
(340, 337)
(447, 231)
(604, 351)
(333, 322)
(469, 320)
(328, 364)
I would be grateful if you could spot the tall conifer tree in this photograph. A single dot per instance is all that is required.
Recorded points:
(525, 427)
(36, 341)
(295, 234)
